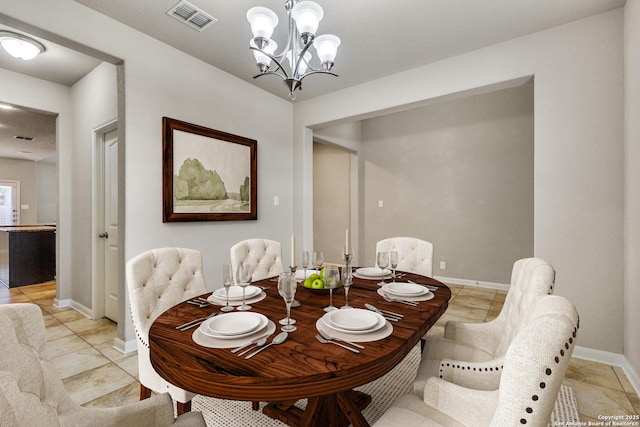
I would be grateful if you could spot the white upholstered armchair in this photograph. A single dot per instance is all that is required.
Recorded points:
(32, 393)
(414, 255)
(264, 256)
(481, 346)
(157, 280)
(534, 366)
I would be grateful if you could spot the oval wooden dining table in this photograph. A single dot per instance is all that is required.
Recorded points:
(301, 367)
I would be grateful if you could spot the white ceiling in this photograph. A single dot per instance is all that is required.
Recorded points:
(379, 37)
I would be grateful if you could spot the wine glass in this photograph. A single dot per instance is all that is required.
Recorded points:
(317, 261)
(393, 260)
(243, 277)
(305, 263)
(347, 278)
(287, 288)
(331, 280)
(227, 280)
(383, 262)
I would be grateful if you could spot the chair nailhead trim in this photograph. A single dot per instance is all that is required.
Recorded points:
(534, 397)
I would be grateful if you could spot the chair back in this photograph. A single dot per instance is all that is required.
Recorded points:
(159, 279)
(414, 255)
(530, 279)
(263, 255)
(535, 364)
(30, 389)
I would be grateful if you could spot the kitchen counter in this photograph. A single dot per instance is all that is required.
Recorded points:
(27, 254)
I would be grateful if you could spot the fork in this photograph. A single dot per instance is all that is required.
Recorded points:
(327, 337)
(194, 323)
(326, 341)
(411, 303)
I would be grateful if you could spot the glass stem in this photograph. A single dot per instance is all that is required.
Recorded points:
(330, 297)
(243, 299)
(346, 297)
(288, 304)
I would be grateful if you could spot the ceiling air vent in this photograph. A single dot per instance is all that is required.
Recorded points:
(191, 15)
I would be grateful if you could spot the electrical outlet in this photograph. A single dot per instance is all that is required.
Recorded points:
(443, 265)
(380, 204)
(276, 201)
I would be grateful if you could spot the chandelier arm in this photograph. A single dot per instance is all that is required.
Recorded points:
(274, 59)
(283, 77)
(317, 72)
(306, 47)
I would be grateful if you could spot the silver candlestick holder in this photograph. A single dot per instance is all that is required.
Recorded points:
(346, 257)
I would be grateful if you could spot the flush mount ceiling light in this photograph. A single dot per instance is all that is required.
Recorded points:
(294, 62)
(20, 46)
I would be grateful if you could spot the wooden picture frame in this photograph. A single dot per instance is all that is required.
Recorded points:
(207, 175)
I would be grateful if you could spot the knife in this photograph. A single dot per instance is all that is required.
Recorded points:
(430, 287)
(395, 317)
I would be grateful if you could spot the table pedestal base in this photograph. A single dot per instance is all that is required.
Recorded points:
(334, 410)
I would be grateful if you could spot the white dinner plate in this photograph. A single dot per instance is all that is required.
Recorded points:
(405, 289)
(373, 272)
(235, 292)
(353, 320)
(327, 323)
(233, 323)
(205, 327)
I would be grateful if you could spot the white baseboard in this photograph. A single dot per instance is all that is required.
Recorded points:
(125, 347)
(609, 358)
(476, 283)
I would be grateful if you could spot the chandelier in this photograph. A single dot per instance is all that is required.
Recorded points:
(293, 63)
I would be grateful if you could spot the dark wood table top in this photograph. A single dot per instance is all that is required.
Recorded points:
(300, 367)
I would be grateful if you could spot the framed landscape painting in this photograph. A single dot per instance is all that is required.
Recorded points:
(207, 175)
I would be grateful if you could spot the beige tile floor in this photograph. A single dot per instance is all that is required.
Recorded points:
(96, 375)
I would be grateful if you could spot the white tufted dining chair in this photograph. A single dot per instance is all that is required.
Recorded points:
(32, 393)
(534, 366)
(414, 255)
(264, 256)
(483, 345)
(157, 280)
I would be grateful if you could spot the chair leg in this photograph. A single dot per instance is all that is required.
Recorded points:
(255, 405)
(145, 392)
(183, 407)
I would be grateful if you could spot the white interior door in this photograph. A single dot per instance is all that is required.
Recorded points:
(110, 233)
(9, 202)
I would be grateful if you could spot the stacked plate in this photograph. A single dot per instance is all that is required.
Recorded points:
(230, 326)
(355, 321)
(235, 293)
(407, 291)
(372, 273)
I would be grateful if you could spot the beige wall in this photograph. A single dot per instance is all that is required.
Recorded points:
(458, 174)
(632, 193)
(331, 199)
(47, 193)
(578, 150)
(25, 172)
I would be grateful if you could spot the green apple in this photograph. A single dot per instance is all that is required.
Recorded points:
(307, 283)
(317, 284)
(322, 273)
(313, 277)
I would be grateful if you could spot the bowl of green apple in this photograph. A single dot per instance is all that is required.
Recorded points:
(315, 282)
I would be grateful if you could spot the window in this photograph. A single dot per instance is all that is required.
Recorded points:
(9, 200)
